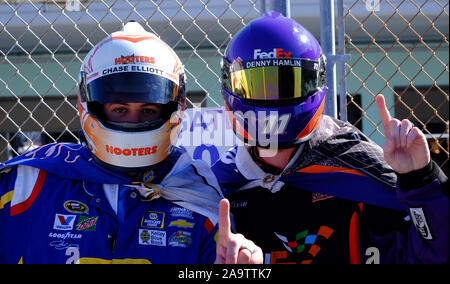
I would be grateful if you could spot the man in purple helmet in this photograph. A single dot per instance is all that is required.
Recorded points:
(308, 188)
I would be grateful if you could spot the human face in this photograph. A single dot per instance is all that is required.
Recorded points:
(132, 112)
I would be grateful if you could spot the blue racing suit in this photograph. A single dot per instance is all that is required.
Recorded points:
(58, 206)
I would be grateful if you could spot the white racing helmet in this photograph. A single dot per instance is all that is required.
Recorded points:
(131, 65)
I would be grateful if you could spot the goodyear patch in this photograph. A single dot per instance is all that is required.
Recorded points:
(153, 219)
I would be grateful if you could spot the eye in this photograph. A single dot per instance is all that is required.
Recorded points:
(149, 111)
(119, 110)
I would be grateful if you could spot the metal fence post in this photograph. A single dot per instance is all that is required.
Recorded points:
(342, 113)
(282, 6)
(327, 42)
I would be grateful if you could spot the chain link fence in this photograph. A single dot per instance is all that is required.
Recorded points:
(398, 48)
(43, 43)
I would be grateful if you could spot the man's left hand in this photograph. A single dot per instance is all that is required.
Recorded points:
(234, 248)
(406, 147)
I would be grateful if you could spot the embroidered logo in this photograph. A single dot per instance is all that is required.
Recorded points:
(181, 223)
(64, 222)
(153, 219)
(299, 246)
(181, 212)
(420, 222)
(318, 196)
(87, 223)
(152, 237)
(74, 206)
(180, 239)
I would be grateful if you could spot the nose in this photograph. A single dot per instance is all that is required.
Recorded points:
(134, 116)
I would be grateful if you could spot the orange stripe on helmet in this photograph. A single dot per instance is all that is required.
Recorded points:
(237, 126)
(313, 123)
(133, 39)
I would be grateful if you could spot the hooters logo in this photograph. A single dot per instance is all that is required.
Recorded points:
(144, 151)
(131, 59)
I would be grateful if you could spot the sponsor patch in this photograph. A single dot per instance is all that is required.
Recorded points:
(180, 239)
(64, 222)
(152, 237)
(181, 212)
(318, 196)
(421, 223)
(86, 223)
(238, 204)
(131, 59)
(275, 53)
(5, 171)
(64, 236)
(181, 223)
(153, 219)
(149, 176)
(74, 206)
(143, 151)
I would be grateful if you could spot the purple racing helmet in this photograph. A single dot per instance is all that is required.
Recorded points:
(273, 82)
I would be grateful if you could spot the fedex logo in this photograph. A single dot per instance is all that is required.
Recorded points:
(64, 222)
(275, 53)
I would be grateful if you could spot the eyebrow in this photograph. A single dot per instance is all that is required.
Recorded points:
(126, 104)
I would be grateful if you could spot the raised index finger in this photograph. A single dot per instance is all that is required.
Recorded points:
(383, 112)
(224, 221)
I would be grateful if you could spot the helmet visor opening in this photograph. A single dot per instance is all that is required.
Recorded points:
(132, 87)
(273, 78)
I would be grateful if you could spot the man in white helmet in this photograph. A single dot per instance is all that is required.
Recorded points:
(126, 194)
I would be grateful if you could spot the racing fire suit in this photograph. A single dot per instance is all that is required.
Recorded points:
(337, 201)
(58, 206)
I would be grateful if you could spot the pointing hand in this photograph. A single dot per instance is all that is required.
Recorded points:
(406, 147)
(234, 248)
